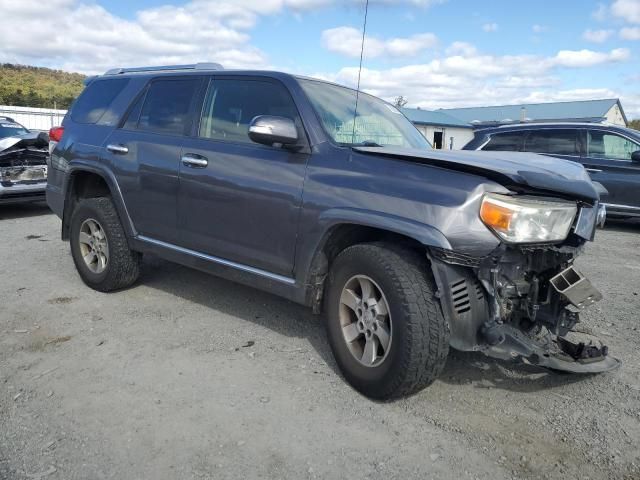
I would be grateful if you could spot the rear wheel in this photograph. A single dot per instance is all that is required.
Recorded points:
(384, 324)
(99, 246)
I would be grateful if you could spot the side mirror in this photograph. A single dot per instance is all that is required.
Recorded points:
(268, 129)
(635, 156)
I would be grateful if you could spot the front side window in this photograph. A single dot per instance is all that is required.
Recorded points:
(608, 145)
(555, 142)
(230, 105)
(505, 142)
(166, 106)
(377, 122)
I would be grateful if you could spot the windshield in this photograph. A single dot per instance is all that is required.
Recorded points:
(10, 129)
(378, 123)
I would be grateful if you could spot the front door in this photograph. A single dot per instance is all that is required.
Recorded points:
(239, 200)
(608, 161)
(145, 155)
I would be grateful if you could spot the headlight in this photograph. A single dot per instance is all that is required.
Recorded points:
(527, 219)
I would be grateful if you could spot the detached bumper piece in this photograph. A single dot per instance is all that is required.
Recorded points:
(581, 354)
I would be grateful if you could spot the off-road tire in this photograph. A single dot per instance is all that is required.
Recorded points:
(123, 266)
(420, 334)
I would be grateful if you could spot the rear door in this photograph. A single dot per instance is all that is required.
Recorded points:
(608, 161)
(145, 154)
(558, 142)
(240, 201)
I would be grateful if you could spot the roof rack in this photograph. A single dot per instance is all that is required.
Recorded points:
(165, 68)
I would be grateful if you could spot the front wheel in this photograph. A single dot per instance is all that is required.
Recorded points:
(384, 323)
(99, 246)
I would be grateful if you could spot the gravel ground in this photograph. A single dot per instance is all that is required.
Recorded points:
(189, 376)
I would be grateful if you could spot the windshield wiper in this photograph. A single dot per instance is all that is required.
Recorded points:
(367, 143)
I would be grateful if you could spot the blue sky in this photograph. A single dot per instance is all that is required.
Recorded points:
(436, 53)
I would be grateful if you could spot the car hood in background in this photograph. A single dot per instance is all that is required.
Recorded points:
(31, 139)
(515, 170)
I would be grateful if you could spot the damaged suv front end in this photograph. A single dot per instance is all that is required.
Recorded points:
(523, 300)
(23, 163)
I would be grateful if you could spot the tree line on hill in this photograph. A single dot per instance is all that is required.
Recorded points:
(27, 86)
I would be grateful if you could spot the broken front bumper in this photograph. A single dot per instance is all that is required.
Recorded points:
(522, 305)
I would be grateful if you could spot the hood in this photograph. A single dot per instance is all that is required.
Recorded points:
(515, 170)
(31, 139)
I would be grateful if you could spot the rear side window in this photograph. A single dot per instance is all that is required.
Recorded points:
(557, 142)
(505, 142)
(166, 106)
(230, 105)
(93, 105)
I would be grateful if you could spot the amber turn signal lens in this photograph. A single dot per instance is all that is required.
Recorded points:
(496, 216)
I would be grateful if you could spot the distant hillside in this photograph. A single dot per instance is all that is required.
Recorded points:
(26, 86)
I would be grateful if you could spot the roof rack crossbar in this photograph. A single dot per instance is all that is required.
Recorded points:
(164, 68)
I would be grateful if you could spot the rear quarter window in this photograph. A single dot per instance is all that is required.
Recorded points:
(94, 104)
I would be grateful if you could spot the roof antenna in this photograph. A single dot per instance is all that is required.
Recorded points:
(355, 111)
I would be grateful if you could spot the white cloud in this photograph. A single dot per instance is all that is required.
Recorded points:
(628, 10)
(490, 27)
(630, 33)
(589, 58)
(597, 36)
(461, 48)
(467, 77)
(348, 40)
(83, 36)
(537, 28)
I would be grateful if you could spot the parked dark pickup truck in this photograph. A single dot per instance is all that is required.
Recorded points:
(279, 182)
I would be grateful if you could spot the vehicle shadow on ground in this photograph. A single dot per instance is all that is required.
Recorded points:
(247, 303)
(480, 371)
(292, 320)
(626, 226)
(24, 210)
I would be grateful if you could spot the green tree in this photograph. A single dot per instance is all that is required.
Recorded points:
(635, 124)
(27, 86)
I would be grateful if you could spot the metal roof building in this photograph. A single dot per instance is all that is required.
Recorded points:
(593, 111)
(452, 128)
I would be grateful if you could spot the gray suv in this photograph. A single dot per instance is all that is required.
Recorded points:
(332, 199)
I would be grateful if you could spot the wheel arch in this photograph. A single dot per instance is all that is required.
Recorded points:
(90, 181)
(351, 227)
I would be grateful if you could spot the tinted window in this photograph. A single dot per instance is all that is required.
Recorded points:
(95, 100)
(134, 113)
(230, 105)
(558, 142)
(9, 128)
(505, 142)
(166, 106)
(608, 145)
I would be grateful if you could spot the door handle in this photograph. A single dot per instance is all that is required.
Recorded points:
(194, 161)
(593, 170)
(118, 149)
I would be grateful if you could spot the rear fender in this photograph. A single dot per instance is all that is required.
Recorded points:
(76, 167)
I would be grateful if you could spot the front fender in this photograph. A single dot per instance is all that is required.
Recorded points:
(424, 233)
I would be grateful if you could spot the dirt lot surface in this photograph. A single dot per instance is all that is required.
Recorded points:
(188, 376)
